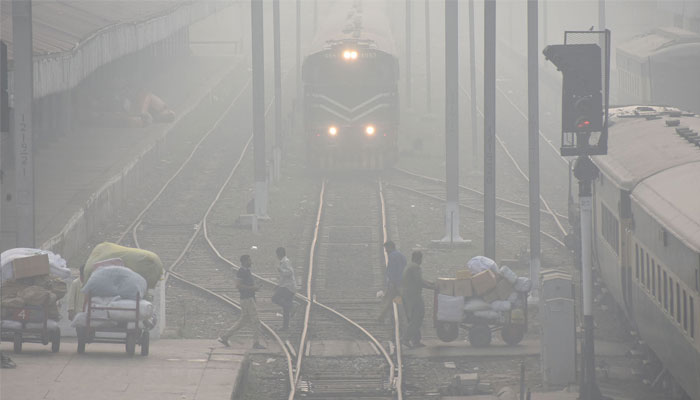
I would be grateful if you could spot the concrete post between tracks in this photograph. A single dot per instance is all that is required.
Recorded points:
(408, 53)
(452, 124)
(534, 146)
(277, 148)
(472, 89)
(256, 13)
(490, 129)
(23, 130)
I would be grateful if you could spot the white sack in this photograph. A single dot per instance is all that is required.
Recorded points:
(80, 320)
(145, 310)
(508, 274)
(51, 325)
(8, 324)
(513, 297)
(501, 305)
(115, 281)
(488, 314)
(480, 263)
(476, 304)
(522, 285)
(57, 265)
(450, 308)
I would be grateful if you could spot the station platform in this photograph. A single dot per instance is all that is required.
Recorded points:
(82, 177)
(174, 369)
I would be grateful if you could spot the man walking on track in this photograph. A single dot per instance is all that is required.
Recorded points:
(412, 285)
(249, 315)
(394, 269)
(287, 286)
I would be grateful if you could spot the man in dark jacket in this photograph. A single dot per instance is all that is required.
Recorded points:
(412, 284)
(249, 315)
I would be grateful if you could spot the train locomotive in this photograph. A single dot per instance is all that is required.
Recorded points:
(647, 231)
(350, 99)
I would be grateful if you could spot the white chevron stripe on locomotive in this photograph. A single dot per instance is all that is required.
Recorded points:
(342, 110)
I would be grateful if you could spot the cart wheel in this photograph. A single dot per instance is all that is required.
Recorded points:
(480, 335)
(56, 341)
(130, 343)
(145, 343)
(512, 334)
(447, 331)
(18, 342)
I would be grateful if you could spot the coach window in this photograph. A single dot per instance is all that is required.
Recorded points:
(646, 256)
(685, 311)
(636, 261)
(692, 317)
(665, 292)
(653, 277)
(670, 295)
(678, 303)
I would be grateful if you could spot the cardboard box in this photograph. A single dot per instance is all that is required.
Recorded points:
(484, 282)
(446, 286)
(503, 289)
(463, 274)
(463, 287)
(27, 267)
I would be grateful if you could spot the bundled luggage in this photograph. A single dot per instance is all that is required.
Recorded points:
(143, 262)
(32, 282)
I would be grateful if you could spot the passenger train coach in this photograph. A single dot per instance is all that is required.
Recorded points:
(647, 231)
(351, 103)
(661, 68)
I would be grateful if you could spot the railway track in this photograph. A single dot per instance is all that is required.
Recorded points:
(344, 272)
(513, 213)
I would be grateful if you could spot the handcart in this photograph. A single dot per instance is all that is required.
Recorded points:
(30, 324)
(512, 325)
(135, 331)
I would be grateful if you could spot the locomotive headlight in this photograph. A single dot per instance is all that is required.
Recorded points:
(332, 131)
(369, 130)
(350, 55)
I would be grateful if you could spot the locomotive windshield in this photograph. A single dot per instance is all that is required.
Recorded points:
(363, 72)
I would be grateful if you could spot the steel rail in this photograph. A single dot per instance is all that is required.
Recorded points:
(517, 166)
(472, 190)
(522, 224)
(398, 383)
(302, 344)
(170, 271)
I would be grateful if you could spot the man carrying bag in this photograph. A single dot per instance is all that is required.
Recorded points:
(287, 286)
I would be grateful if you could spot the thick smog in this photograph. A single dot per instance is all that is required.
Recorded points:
(356, 199)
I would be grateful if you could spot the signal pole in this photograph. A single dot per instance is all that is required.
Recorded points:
(256, 13)
(277, 148)
(533, 143)
(408, 53)
(490, 129)
(23, 133)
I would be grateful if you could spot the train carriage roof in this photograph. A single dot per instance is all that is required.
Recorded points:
(664, 41)
(657, 166)
(340, 25)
